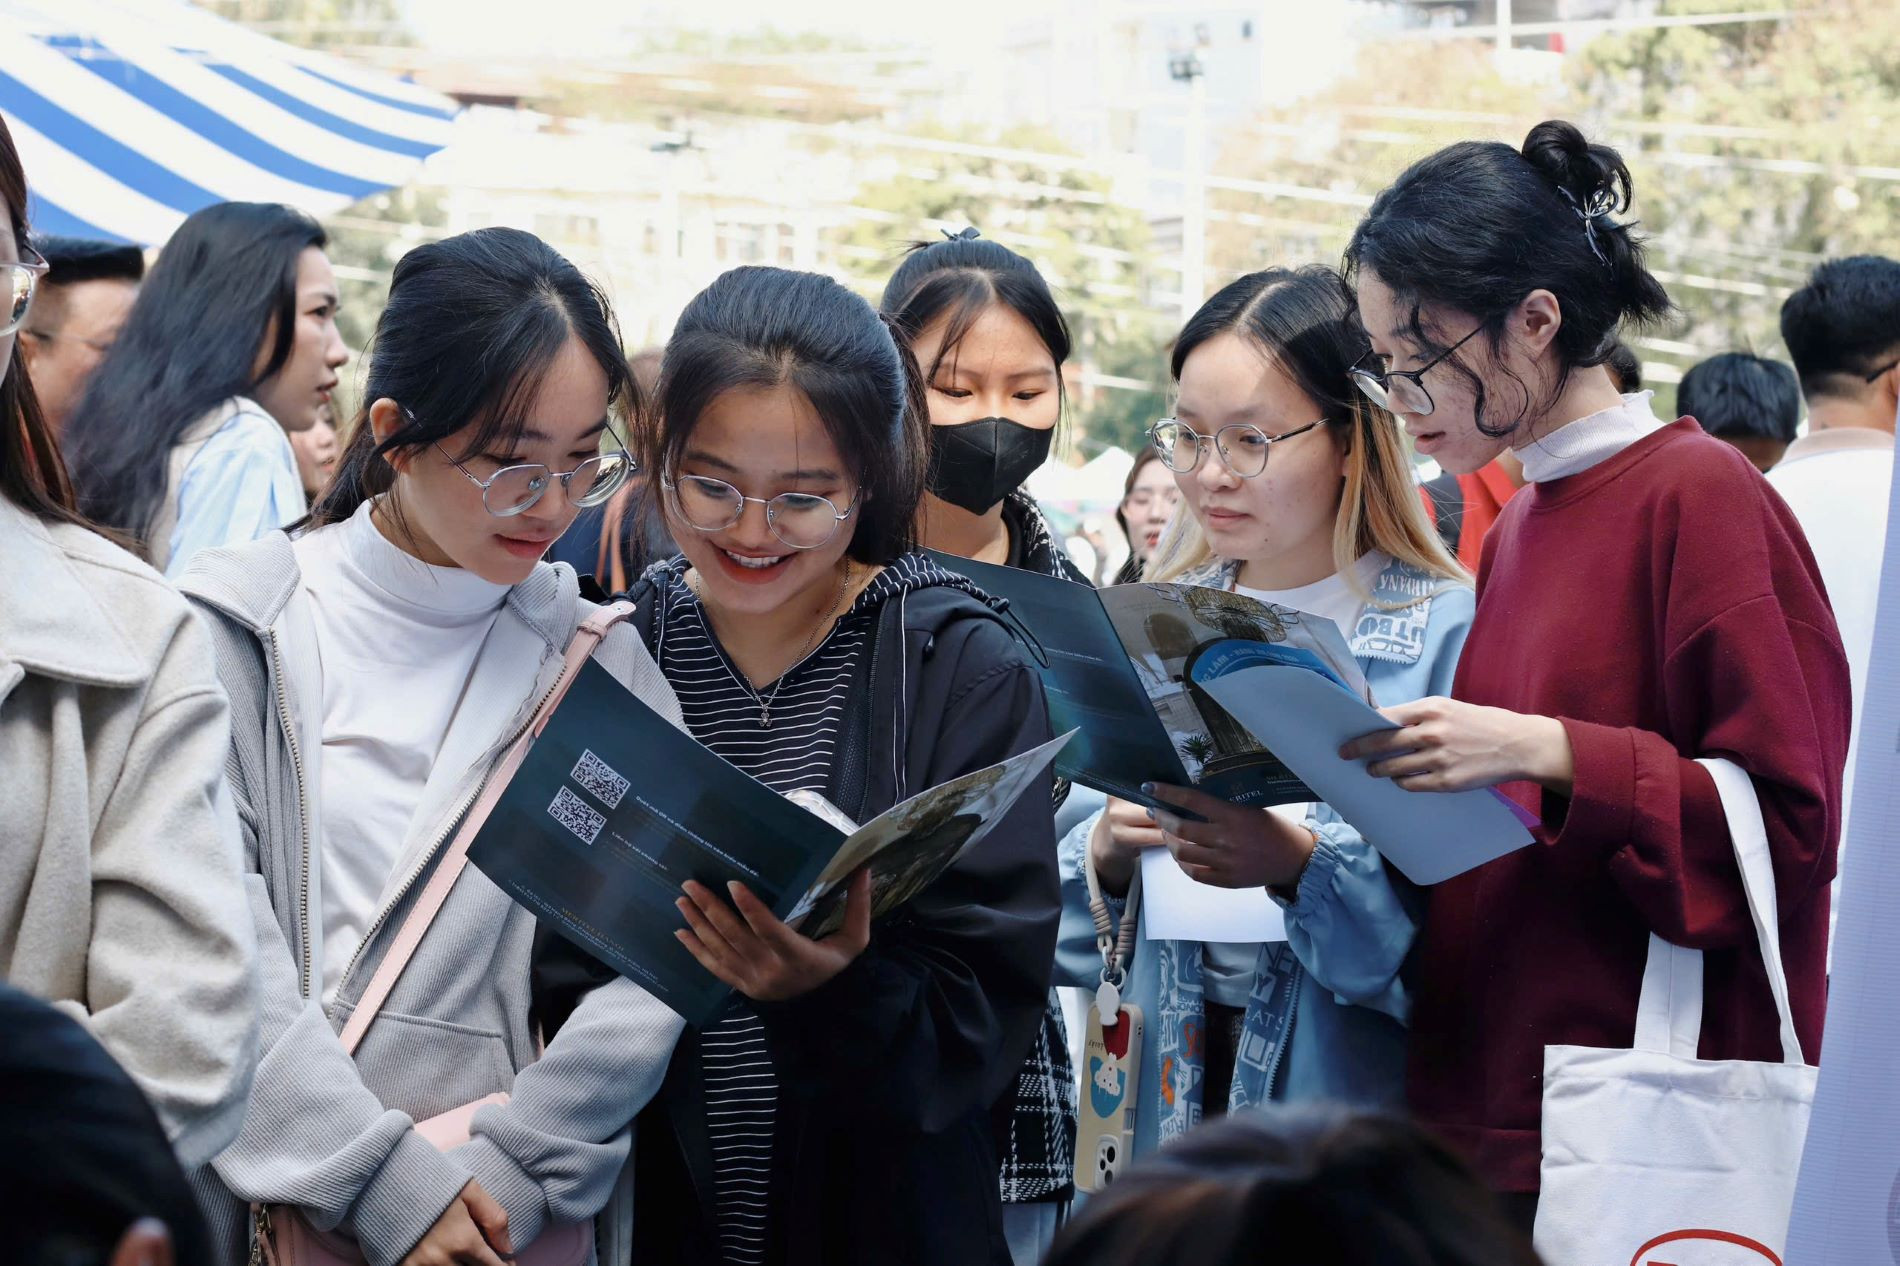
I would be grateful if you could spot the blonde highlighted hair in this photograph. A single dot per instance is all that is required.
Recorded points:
(1301, 321)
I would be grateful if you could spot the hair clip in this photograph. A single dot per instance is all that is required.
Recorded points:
(1601, 203)
(966, 235)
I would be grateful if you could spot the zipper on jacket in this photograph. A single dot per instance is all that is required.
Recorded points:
(454, 822)
(1286, 1033)
(303, 814)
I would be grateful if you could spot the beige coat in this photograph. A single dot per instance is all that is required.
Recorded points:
(121, 890)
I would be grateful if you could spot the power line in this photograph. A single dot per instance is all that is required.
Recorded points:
(1582, 26)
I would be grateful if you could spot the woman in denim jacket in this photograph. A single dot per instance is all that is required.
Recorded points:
(1332, 525)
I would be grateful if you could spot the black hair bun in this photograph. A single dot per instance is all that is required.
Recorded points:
(1593, 177)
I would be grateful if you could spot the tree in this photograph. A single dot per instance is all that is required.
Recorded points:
(319, 23)
(1757, 149)
(1198, 748)
(366, 240)
(1138, 352)
(1090, 246)
(1400, 102)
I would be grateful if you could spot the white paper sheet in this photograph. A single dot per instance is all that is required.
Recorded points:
(1176, 908)
(1304, 720)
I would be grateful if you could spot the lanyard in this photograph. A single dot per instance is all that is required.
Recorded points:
(1116, 944)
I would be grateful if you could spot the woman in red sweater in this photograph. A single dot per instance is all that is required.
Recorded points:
(1645, 601)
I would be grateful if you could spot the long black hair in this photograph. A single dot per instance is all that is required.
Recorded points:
(472, 326)
(226, 279)
(961, 278)
(767, 327)
(1478, 225)
(31, 474)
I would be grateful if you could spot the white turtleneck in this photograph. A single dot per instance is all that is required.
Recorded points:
(1576, 446)
(397, 640)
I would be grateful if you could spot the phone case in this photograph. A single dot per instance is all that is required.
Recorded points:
(1105, 1131)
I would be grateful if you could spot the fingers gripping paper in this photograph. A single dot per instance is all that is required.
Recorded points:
(1304, 719)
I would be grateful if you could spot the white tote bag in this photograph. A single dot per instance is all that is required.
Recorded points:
(1653, 1157)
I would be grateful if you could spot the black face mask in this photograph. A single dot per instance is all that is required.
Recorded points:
(975, 464)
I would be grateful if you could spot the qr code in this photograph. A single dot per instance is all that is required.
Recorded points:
(599, 780)
(576, 815)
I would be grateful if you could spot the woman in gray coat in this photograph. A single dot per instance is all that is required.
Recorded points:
(380, 660)
(120, 894)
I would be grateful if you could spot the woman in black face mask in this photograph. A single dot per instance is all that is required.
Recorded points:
(990, 341)
(987, 333)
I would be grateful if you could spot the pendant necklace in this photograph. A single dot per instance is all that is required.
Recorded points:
(765, 702)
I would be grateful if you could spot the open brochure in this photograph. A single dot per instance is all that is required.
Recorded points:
(614, 809)
(1118, 665)
(1248, 701)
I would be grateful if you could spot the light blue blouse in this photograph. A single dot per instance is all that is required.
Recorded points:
(241, 485)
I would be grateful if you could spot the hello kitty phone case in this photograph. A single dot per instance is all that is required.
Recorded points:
(1111, 1068)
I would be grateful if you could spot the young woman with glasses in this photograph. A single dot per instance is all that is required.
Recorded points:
(1645, 601)
(1150, 498)
(180, 441)
(379, 661)
(1295, 490)
(838, 1111)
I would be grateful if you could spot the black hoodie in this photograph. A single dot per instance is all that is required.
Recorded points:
(884, 1149)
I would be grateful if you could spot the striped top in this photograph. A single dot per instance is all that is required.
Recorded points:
(794, 753)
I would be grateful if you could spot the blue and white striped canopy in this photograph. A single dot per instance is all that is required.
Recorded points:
(131, 114)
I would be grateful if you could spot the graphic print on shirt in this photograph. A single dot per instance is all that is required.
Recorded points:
(1392, 635)
(1267, 1026)
(1179, 1036)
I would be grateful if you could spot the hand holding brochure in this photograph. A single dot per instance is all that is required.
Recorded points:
(1430, 836)
(1118, 665)
(601, 857)
(1160, 681)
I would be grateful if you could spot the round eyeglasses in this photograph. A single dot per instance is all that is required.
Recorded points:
(17, 284)
(1243, 447)
(801, 520)
(1402, 390)
(514, 489)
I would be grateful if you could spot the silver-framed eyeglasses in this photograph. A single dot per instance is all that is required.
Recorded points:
(20, 281)
(801, 520)
(514, 489)
(1243, 447)
(1402, 390)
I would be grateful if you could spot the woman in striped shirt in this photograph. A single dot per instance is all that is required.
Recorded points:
(838, 1110)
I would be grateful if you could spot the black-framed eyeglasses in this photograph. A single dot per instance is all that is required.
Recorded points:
(515, 489)
(18, 284)
(801, 520)
(1402, 390)
(1883, 369)
(1243, 447)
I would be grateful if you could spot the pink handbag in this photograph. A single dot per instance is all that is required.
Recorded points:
(283, 1236)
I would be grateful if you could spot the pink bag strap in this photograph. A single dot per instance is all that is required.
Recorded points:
(449, 869)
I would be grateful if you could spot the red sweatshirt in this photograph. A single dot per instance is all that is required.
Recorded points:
(1663, 604)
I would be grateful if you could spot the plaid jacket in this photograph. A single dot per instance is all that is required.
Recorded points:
(1036, 1144)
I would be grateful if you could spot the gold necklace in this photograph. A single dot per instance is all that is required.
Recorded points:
(765, 702)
